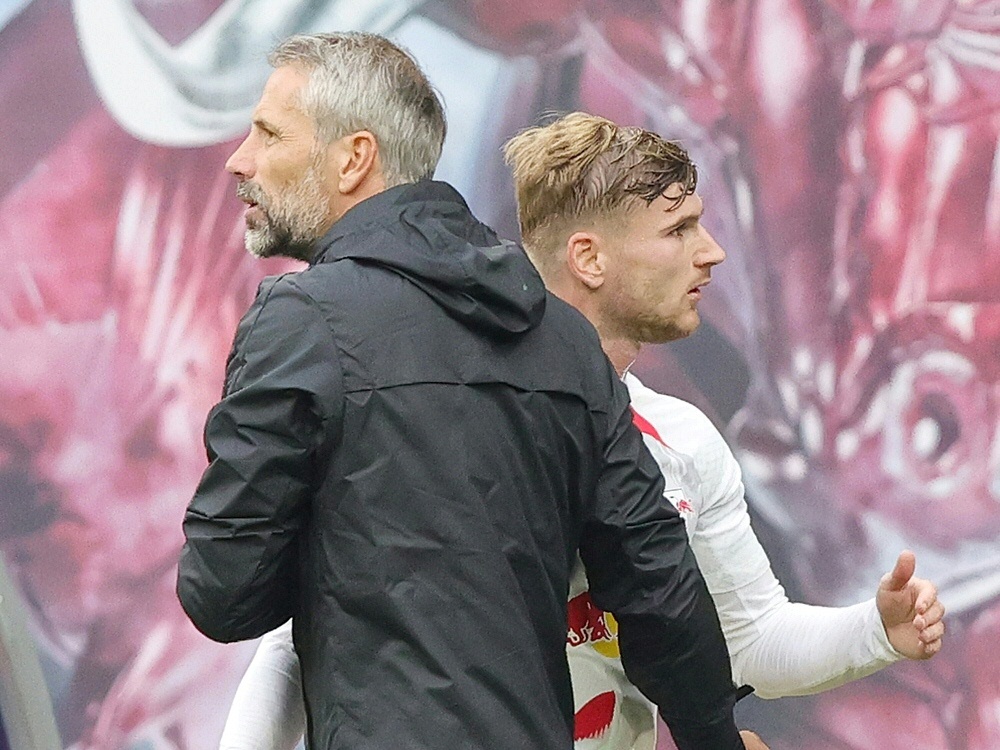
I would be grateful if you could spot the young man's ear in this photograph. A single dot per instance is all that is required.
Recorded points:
(584, 258)
(355, 160)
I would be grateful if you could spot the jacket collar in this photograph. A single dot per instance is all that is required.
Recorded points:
(381, 209)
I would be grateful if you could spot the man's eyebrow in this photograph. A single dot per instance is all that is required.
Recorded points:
(682, 220)
(263, 123)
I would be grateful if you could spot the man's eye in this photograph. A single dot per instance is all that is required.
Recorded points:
(266, 134)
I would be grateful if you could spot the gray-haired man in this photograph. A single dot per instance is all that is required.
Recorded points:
(414, 441)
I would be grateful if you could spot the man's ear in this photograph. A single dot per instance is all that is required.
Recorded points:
(356, 161)
(585, 258)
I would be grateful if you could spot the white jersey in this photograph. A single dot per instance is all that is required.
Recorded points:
(778, 647)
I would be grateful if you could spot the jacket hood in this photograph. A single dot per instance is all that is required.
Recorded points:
(426, 233)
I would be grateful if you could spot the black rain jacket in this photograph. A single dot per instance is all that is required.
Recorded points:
(414, 441)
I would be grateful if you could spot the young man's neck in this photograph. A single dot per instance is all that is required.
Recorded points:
(621, 352)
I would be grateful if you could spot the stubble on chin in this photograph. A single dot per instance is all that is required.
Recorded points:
(650, 328)
(259, 242)
(292, 222)
(265, 242)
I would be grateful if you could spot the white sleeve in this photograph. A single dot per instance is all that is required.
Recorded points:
(778, 647)
(268, 711)
(802, 649)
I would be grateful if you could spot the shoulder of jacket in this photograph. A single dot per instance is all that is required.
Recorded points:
(574, 323)
(331, 280)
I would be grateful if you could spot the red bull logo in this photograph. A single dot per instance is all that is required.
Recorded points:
(585, 622)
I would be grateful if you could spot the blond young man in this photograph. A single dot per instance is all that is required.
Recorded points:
(611, 219)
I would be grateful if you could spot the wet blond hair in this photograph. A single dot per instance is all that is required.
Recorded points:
(582, 168)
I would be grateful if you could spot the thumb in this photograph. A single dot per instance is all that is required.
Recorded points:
(906, 564)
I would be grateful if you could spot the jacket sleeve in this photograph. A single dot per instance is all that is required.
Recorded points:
(238, 571)
(641, 569)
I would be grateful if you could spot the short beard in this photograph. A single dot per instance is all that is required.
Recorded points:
(627, 319)
(649, 330)
(293, 219)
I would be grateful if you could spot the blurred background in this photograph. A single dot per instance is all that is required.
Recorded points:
(850, 351)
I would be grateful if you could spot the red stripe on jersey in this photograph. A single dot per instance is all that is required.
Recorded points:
(594, 717)
(645, 427)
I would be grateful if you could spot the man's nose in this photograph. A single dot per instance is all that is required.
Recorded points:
(711, 252)
(241, 163)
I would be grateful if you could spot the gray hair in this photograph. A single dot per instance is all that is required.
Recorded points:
(360, 81)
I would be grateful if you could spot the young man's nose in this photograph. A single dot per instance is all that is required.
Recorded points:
(711, 252)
